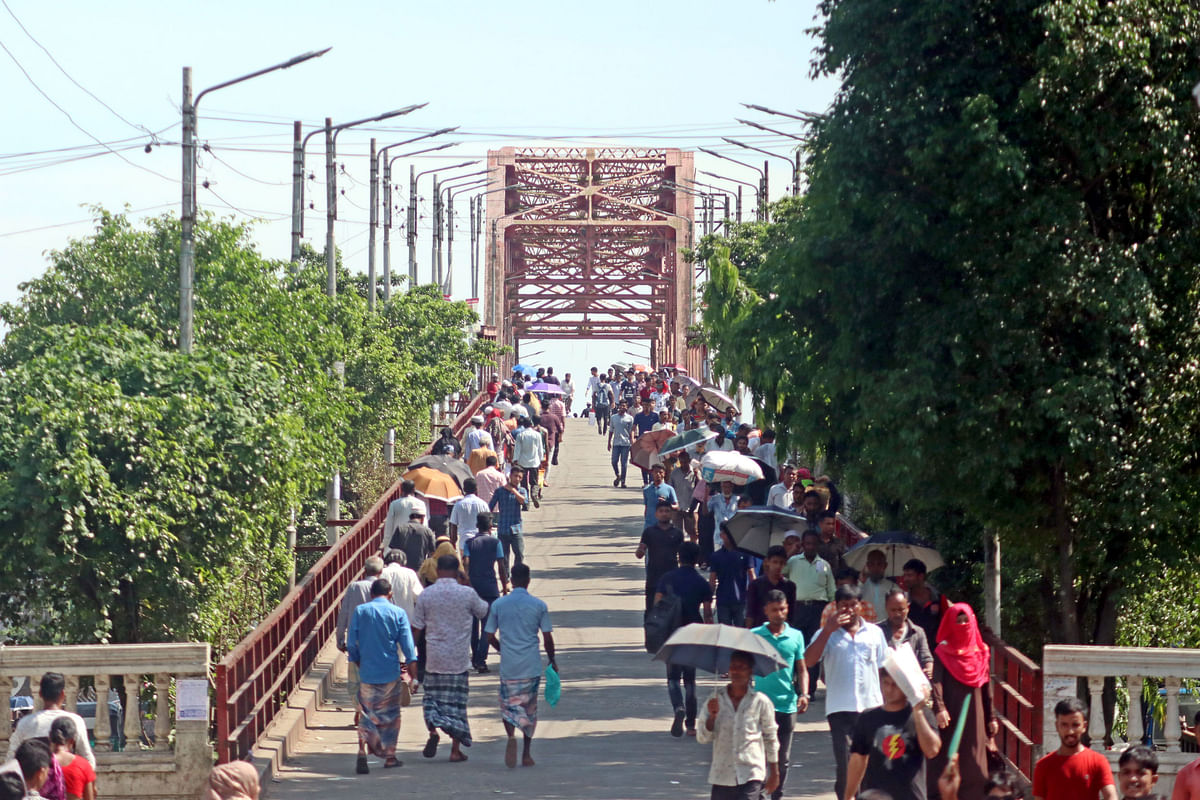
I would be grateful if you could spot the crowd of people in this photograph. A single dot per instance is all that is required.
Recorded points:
(450, 586)
(832, 627)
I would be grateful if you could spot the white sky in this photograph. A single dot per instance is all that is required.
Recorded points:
(667, 73)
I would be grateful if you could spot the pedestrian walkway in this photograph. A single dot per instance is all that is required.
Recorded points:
(608, 737)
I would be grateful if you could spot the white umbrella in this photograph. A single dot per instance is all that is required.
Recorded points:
(728, 465)
(717, 399)
(708, 647)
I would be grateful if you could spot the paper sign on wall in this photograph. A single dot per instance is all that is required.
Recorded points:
(191, 699)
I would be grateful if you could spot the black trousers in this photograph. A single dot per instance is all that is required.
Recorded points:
(841, 724)
(786, 724)
(747, 791)
(806, 616)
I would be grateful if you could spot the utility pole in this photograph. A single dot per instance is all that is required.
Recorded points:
(446, 287)
(330, 210)
(297, 198)
(412, 226)
(436, 257)
(373, 221)
(765, 205)
(187, 219)
(387, 234)
(739, 205)
(991, 580)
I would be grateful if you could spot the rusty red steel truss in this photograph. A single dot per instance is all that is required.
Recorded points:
(586, 243)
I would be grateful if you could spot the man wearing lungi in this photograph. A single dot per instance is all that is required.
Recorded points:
(519, 616)
(443, 616)
(377, 629)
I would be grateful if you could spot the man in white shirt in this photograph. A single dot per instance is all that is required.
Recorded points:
(740, 723)
(875, 585)
(53, 690)
(853, 652)
(765, 451)
(401, 510)
(568, 387)
(593, 382)
(683, 481)
(405, 583)
(780, 495)
(477, 437)
(465, 515)
(528, 453)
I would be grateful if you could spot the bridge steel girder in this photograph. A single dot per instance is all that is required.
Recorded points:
(586, 243)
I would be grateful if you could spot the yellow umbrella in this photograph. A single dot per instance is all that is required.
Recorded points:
(432, 483)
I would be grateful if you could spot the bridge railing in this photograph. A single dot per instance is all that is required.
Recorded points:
(1017, 702)
(255, 679)
(133, 741)
(1130, 667)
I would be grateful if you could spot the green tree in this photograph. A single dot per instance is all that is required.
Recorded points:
(985, 309)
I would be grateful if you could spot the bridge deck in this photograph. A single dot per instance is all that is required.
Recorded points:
(608, 736)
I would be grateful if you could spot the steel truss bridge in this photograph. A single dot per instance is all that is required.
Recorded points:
(585, 243)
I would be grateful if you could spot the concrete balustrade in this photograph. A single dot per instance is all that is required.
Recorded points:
(1064, 665)
(151, 771)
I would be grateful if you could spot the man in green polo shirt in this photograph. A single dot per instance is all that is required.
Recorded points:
(788, 686)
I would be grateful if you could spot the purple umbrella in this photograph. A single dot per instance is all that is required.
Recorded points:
(543, 388)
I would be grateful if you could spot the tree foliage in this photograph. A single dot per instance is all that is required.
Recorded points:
(984, 309)
(145, 493)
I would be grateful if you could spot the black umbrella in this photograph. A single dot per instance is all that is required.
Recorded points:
(757, 528)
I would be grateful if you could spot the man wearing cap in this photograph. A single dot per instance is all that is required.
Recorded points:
(477, 437)
(414, 538)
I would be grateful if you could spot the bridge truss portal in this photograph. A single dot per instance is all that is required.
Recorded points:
(585, 243)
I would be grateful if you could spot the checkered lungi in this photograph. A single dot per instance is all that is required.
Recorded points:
(379, 720)
(445, 704)
(519, 703)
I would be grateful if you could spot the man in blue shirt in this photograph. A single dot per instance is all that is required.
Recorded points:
(377, 629)
(787, 686)
(643, 423)
(693, 592)
(508, 500)
(657, 490)
(730, 574)
(518, 617)
(483, 554)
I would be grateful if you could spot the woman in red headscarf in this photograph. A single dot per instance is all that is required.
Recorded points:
(961, 670)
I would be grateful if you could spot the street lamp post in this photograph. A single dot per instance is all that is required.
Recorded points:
(331, 134)
(376, 156)
(413, 177)
(791, 165)
(447, 214)
(450, 195)
(387, 200)
(187, 218)
(762, 212)
(796, 166)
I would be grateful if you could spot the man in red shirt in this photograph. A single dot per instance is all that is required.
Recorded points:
(1072, 772)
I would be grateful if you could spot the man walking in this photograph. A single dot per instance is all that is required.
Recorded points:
(568, 387)
(602, 403)
(898, 630)
(1073, 771)
(814, 588)
(53, 691)
(528, 452)
(787, 687)
(659, 545)
(683, 481)
(656, 491)
(740, 722)
(513, 626)
(357, 593)
(644, 423)
(414, 538)
(443, 617)
(377, 629)
(693, 593)
(465, 513)
(853, 652)
(489, 479)
(508, 501)
(477, 437)
(875, 584)
(729, 575)
(401, 509)
(620, 439)
(481, 558)
(889, 746)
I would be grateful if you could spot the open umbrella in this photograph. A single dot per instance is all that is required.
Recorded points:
(726, 465)
(448, 464)
(717, 399)
(525, 369)
(433, 483)
(544, 388)
(685, 440)
(645, 451)
(640, 368)
(757, 528)
(708, 647)
(899, 547)
(685, 384)
(676, 367)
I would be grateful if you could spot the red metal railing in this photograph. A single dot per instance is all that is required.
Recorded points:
(256, 677)
(1017, 702)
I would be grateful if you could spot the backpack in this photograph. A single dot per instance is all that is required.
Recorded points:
(663, 619)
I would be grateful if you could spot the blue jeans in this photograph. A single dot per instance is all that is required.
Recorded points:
(514, 546)
(479, 639)
(687, 675)
(620, 454)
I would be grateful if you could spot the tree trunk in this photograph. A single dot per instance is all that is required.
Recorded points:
(1067, 608)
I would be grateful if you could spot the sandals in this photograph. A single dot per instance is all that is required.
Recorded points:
(431, 746)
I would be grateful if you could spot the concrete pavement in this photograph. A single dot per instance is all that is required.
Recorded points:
(608, 737)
